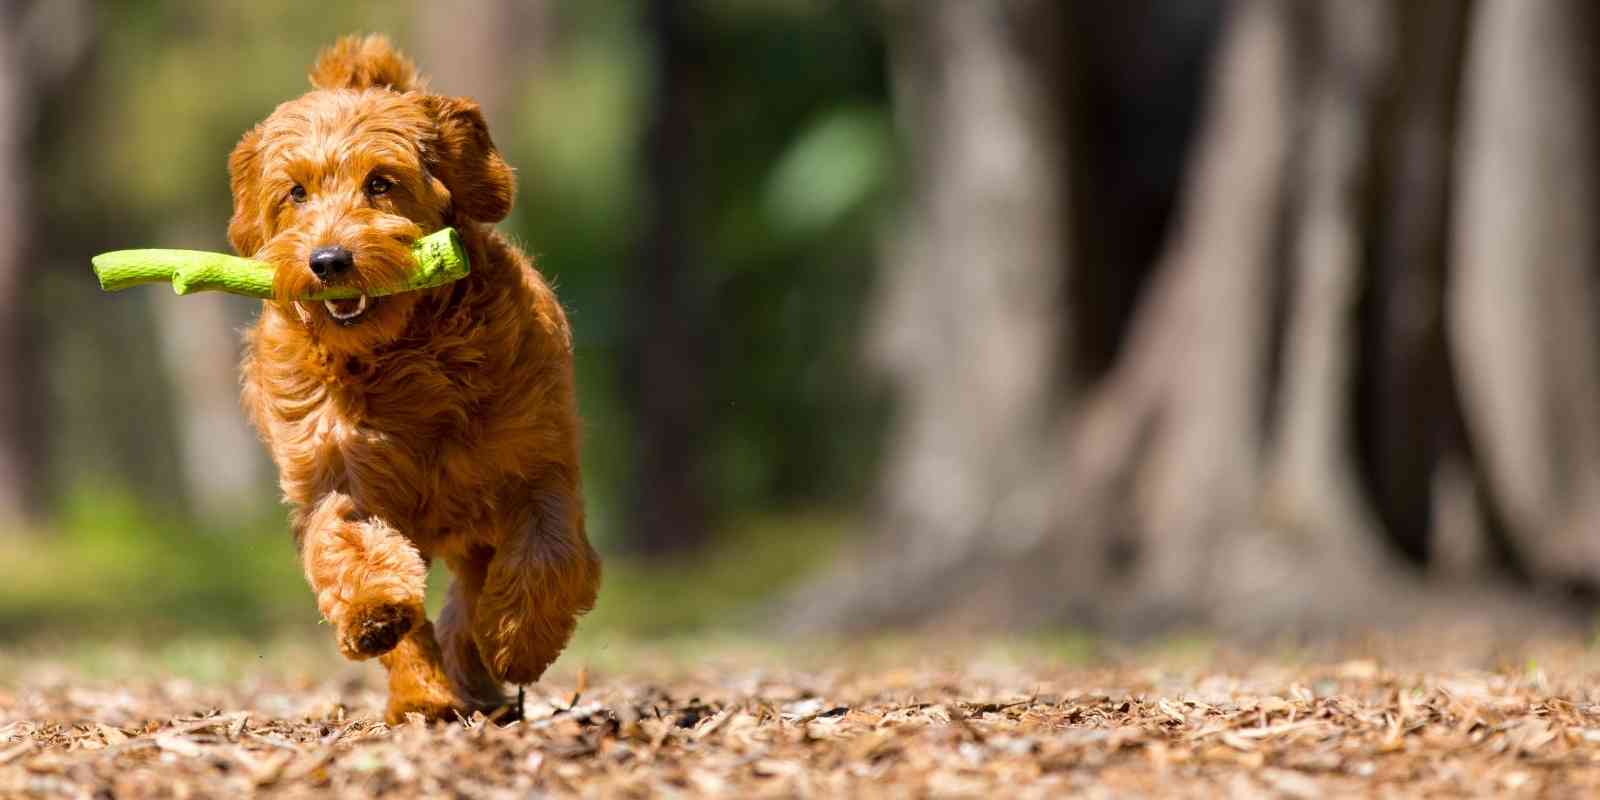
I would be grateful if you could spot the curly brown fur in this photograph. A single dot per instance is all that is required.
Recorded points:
(431, 424)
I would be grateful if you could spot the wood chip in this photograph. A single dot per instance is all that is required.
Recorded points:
(1336, 728)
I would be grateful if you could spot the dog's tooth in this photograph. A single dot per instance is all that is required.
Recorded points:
(361, 306)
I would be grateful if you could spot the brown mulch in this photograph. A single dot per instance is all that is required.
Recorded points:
(1334, 729)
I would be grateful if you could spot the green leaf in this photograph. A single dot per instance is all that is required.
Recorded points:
(830, 171)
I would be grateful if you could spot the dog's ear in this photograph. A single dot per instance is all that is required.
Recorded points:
(244, 172)
(464, 158)
(364, 62)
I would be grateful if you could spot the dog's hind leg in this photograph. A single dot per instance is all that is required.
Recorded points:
(539, 580)
(460, 652)
(368, 578)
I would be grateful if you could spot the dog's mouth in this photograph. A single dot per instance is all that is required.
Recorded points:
(345, 310)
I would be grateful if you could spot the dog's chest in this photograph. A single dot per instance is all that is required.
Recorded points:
(442, 440)
(397, 457)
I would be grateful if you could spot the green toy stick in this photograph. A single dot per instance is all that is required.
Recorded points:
(440, 260)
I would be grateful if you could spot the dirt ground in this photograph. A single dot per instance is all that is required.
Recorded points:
(930, 719)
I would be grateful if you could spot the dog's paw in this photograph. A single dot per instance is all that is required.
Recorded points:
(377, 630)
(437, 709)
(399, 710)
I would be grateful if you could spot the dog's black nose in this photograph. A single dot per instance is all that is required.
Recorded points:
(328, 262)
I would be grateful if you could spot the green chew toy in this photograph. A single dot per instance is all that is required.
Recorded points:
(440, 260)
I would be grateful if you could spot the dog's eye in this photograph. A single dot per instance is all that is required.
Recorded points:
(298, 193)
(378, 184)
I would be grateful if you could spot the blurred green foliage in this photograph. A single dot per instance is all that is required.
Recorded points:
(114, 567)
(114, 570)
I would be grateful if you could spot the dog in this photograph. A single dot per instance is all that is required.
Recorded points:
(438, 423)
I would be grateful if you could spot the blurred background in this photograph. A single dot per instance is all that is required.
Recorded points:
(1117, 316)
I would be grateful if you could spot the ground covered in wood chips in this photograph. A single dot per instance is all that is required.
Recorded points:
(930, 718)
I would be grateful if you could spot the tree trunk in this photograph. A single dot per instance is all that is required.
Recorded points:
(1211, 476)
(1158, 477)
(43, 47)
(970, 316)
(19, 443)
(1408, 414)
(1522, 307)
(1198, 480)
(669, 351)
(1224, 470)
(485, 49)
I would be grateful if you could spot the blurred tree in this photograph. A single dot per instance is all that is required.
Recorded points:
(667, 357)
(41, 46)
(1132, 97)
(1413, 449)
(486, 49)
(1315, 510)
(1524, 301)
(17, 452)
(969, 316)
(1223, 468)
(766, 161)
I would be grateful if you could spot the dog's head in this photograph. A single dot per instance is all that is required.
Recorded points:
(334, 186)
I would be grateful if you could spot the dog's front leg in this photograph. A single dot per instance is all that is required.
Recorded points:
(368, 578)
